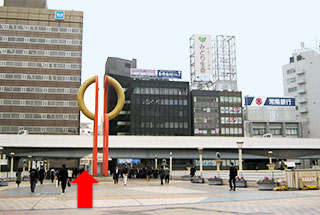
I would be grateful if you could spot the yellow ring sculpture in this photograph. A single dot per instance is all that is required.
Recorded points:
(116, 85)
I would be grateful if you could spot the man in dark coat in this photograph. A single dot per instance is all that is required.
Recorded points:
(116, 175)
(192, 171)
(232, 177)
(63, 173)
(162, 175)
(34, 175)
(41, 175)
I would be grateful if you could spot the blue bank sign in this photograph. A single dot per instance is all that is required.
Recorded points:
(59, 15)
(269, 101)
(176, 74)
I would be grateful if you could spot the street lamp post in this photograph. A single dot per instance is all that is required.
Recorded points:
(29, 167)
(240, 145)
(200, 150)
(170, 162)
(0, 156)
(156, 161)
(12, 161)
(270, 165)
(270, 156)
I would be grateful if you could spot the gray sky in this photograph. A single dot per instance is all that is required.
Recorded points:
(157, 34)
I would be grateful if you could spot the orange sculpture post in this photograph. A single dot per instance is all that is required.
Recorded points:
(106, 116)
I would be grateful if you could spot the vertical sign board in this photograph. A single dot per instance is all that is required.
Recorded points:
(203, 58)
(59, 15)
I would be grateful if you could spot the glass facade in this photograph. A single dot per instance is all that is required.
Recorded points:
(162, 108)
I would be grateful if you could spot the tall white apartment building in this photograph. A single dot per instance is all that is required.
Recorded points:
(301, 79)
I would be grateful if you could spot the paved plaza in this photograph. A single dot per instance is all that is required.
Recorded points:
(142, 197)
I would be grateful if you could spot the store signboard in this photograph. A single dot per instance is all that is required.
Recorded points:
(143, 73)
(59, 15)
(128, 161)
(269, 101)
(173, 74)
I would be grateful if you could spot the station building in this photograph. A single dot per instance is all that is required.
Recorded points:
(146, 150)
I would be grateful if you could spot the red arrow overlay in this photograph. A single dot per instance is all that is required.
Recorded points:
(84, 181)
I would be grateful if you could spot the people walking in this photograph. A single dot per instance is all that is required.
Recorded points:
(125, 175)
(18, 177)
(63, 177)
(116, 175)
(34, 176)
(192, 171)
(57, 177)
(41, 175)
(148, 173)
(232, 177)
(70, 173)
(52, 174)
(162, 175)
(167, 175)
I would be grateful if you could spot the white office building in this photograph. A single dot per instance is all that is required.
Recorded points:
(301, 79)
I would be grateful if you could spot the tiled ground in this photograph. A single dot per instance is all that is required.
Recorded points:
(141, 197)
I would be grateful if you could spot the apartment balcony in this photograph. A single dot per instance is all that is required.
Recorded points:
(302, 100)
(302, 90)
(301, 81)
(303, 110)
(300, 72)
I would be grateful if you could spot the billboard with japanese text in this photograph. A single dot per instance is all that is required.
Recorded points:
(143, 73)
(269, 101)
(203, 58)
(174, 74)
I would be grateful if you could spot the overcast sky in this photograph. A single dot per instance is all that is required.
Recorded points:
(157, 34)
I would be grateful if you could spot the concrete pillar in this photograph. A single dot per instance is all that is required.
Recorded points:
(200, 150)
(155, 162)
(170, 162)
(240, 159)
(12, 161)
(267, 127)
(251, 128)
(29, 166)
(284, 129)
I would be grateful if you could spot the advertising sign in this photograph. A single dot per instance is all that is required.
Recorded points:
(128, 161)
(59, 15)
(203, 58)
(142, 72)
(269, 101)
(206, 163)
(169, 74)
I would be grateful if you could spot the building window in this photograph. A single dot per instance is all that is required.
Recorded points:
(292, 89)
(42, 65)
(291, 80)
(276, 131)
(258, 131)
(39, 77)
(291, 71)
(291, 131)
(14, 39)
